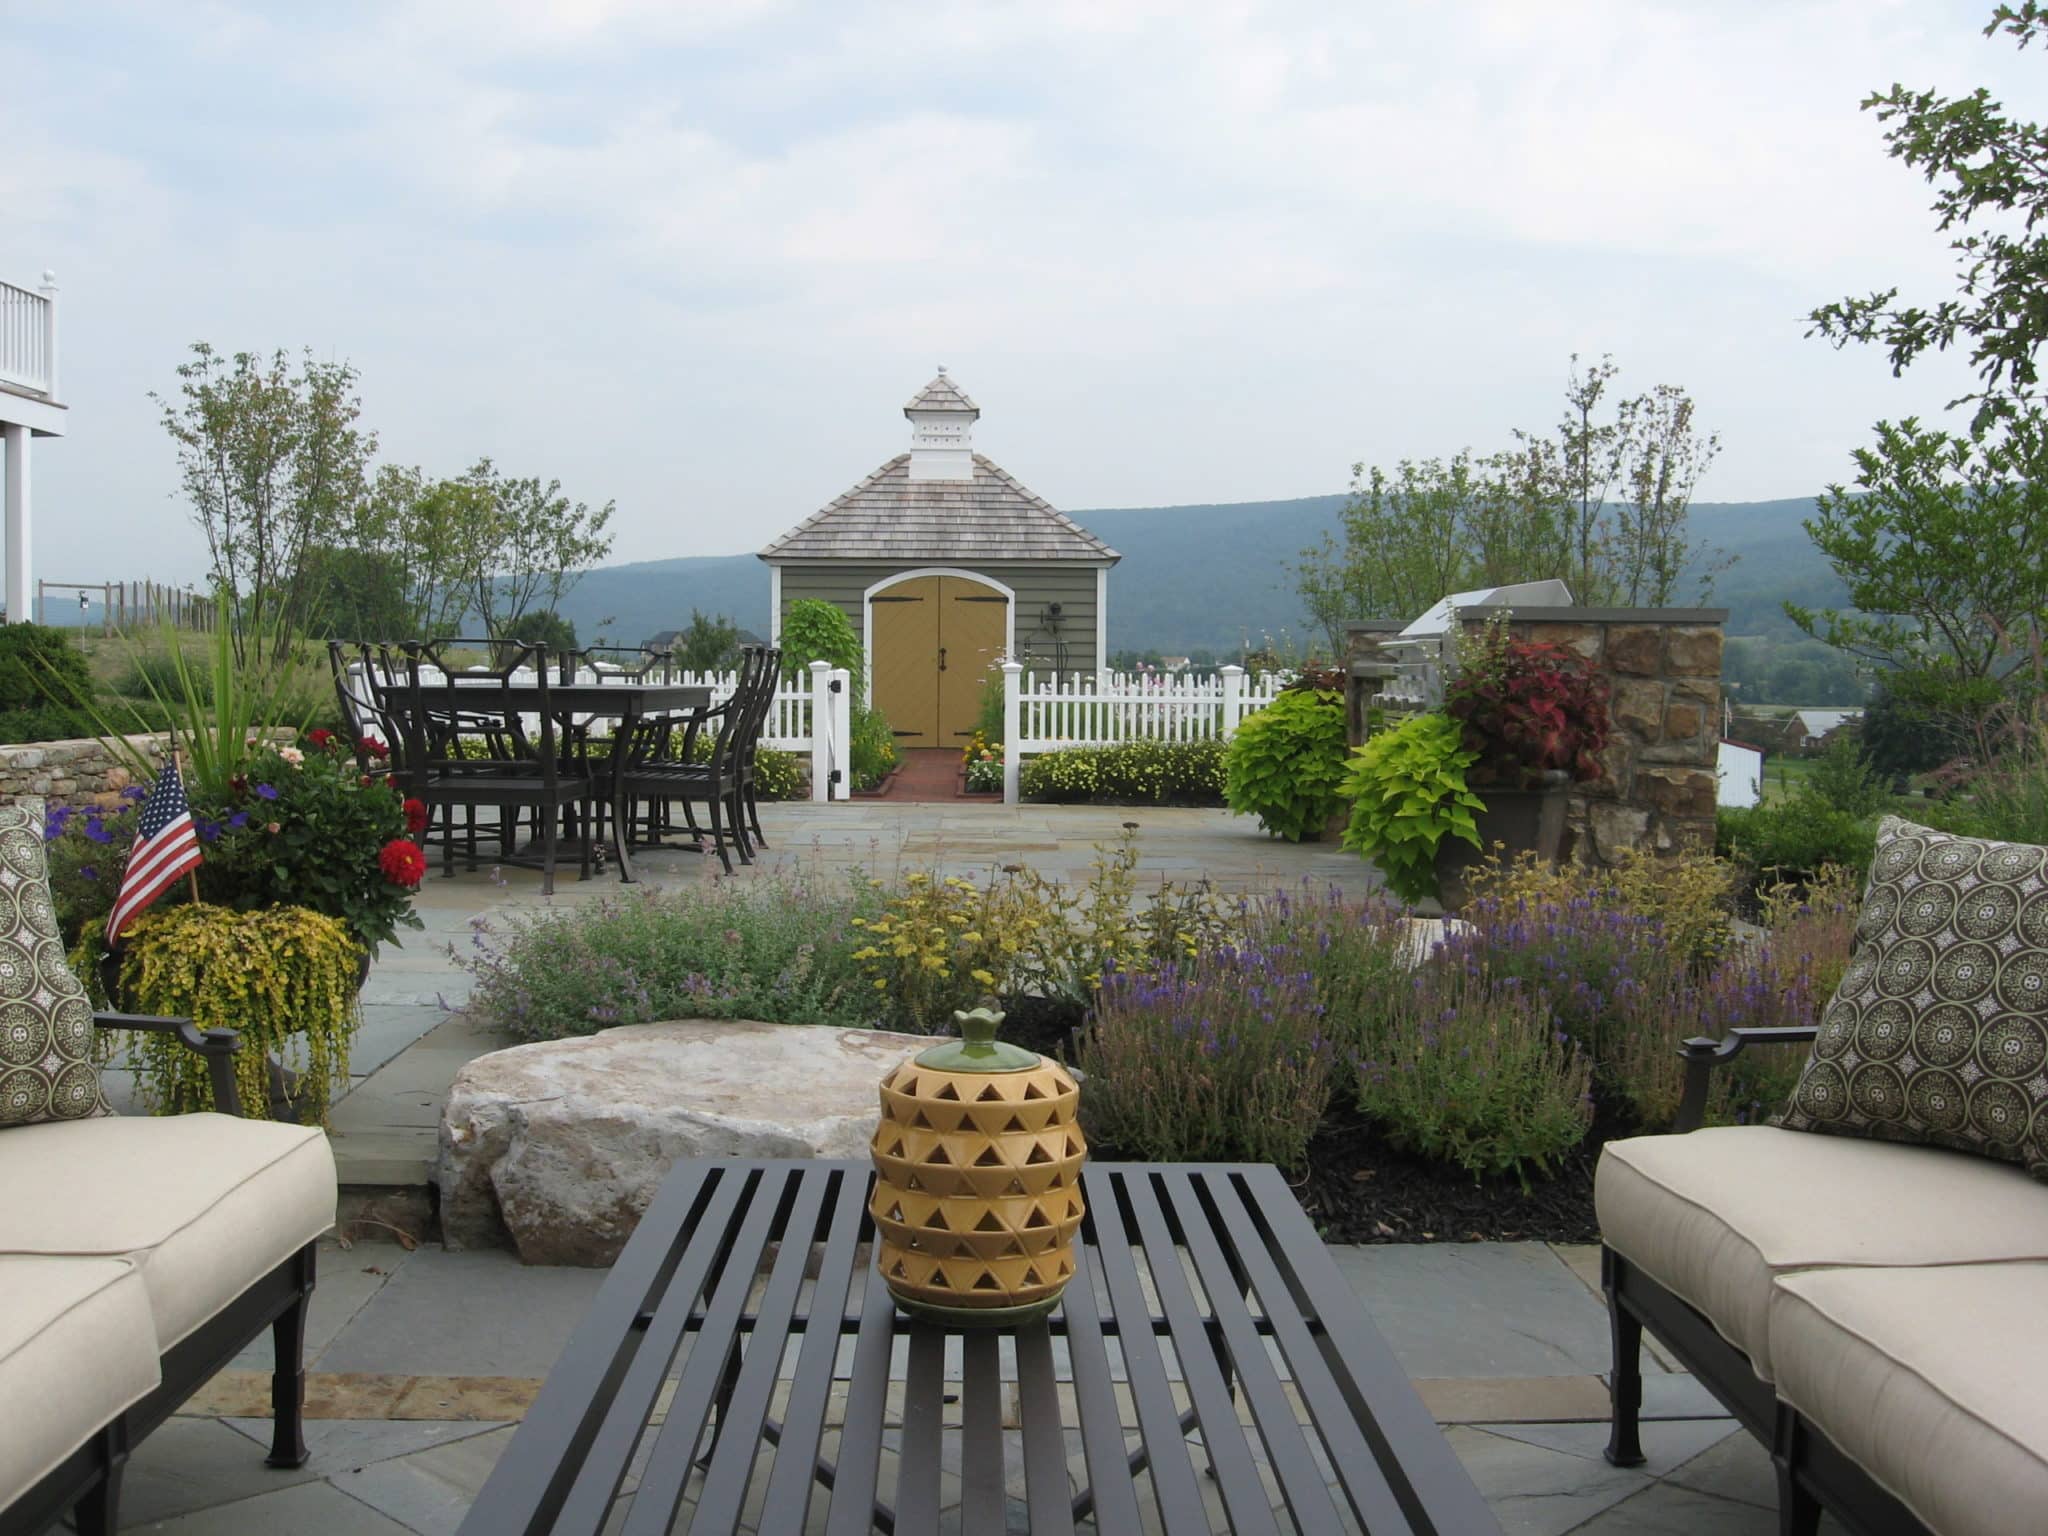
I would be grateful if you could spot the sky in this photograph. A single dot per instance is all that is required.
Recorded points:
(693, 258)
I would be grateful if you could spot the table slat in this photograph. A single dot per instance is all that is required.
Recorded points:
(794, 1474)
(1357, 1465)
(549, 1452)
(741, 1421)
(1173, 1475)
(669, 1468)
(867, 1398)
(1230, 1453)
(924, 1416)
(981, 1433)
(1287, 1451)
(1114, 1493)
(1046, 1490)
(1423, 1469)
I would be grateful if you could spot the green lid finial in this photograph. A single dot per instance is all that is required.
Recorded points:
(978, 1050)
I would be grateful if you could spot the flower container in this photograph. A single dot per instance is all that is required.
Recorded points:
(1526, 819)
(977, 1193)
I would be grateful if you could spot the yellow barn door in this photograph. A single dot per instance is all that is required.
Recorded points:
(971, 626)
(906, 624)
(935, 639)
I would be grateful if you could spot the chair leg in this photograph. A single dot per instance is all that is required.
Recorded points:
(735, 812)
(550, 830)
(591, 833)
(1798, 1509)
(1625, 1382)
(754, 815)
(717, 833)
(288, 1376)
(99, 1512)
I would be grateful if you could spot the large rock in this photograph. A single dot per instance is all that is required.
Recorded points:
(560, 1146)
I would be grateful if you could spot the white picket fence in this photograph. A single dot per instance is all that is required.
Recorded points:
(1105, 708)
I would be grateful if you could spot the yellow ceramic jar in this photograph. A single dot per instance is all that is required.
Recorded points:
(978, 1179)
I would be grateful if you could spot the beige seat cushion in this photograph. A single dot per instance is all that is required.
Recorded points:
(76, 1348)
(1931, 1379)
(1716, 1215)
(203, 1204)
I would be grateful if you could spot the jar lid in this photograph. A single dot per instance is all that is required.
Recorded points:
(978, 1050)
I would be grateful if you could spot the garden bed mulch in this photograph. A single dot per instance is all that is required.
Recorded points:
(1357, 1189)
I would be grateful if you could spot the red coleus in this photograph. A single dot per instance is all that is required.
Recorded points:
(321, 738)
(415, 816)
(1528, 707)
(370, 746)
(402, 862)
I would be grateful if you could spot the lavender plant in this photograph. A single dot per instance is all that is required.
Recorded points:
(778, 948)
(1222, 1057)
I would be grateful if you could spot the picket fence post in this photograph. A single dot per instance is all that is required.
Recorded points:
(821, 731)
(1013, 716)
(842, 731)
(1233, 698)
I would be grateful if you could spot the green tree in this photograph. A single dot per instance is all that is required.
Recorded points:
(519, 545)
(273, 462)
(355, 594)
(1990, 175)
(708, 643)
(542, 626)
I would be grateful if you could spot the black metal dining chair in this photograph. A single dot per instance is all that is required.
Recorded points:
(479, 756)
(662, 769)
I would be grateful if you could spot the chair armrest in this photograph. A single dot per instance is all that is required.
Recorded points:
(1702, 1054)
(218, 1046)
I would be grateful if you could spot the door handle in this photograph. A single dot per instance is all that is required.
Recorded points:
(942, 658)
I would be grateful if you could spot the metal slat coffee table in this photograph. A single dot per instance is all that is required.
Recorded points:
(1209, 1369)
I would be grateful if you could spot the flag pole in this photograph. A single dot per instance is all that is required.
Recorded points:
(178, 768)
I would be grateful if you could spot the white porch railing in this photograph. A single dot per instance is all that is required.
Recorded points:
(28, 337)
(1103, 709)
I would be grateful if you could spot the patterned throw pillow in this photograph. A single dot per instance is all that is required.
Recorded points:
(46, 1065)
(1939, 1030)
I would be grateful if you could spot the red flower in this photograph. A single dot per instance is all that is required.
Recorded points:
(416, 816)
(372, 747)
(390, 781)
(403, 863)
(322, 739)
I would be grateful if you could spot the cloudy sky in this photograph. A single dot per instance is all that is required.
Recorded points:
(694, 256)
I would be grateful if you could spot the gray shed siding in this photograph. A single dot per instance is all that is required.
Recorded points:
(1070, 585)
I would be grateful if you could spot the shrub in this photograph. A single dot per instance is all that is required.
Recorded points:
(872, 751)
(58, 722)
(1221, 1057)
(153, 675)
(1687, 894)
(815, 630)
(1794, 840)
(1572, 956)
(1357, 953)
(944, 944)
(1842, 779)
(1407, 792)
(283, 977)
(1130, 773)
(1286, 762)
(41, 666)
(1461, 1069)
(777, 948)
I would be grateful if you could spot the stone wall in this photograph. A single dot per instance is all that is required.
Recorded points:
(71, 772)
(1658, 785)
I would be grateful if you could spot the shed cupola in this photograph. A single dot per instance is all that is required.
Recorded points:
(941, 431)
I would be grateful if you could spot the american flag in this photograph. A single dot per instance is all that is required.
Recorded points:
(165, 847)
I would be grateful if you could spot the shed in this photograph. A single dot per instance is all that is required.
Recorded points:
(947, 564)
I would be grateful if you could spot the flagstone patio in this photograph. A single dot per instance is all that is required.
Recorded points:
(423, 1360)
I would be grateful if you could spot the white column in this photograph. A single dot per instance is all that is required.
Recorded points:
(1233, 698)
(842, 730)
(1013, 715)
(19, 585)
(775, 605)
(1102, 629)
(821, 732)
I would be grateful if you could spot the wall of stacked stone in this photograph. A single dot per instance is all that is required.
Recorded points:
(80, 773)
(1658, 783)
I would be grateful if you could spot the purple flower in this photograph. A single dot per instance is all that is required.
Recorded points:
(133, 792)
(238, 821)
(267, 791)
(96, 830)
(88, 871)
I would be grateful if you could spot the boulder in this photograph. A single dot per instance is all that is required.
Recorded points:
(558, 1147)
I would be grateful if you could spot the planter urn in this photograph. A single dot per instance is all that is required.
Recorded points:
(1522, 819)
(977, 1194)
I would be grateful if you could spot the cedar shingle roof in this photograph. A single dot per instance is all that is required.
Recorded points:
(942, 394)
(890, 517)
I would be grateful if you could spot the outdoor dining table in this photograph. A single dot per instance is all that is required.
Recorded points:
(626, 702)
(1206, 1318)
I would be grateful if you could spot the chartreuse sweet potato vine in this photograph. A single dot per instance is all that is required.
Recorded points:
(1407, 792)
(284, 978)
(1286, 762)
